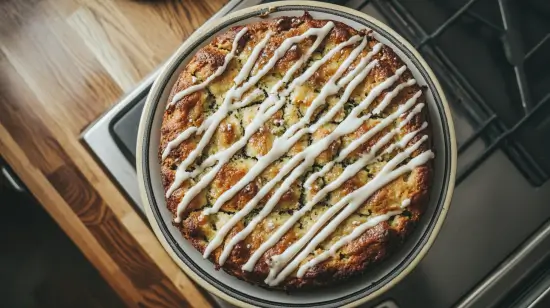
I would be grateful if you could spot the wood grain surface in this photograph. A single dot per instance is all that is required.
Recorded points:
(62, 64)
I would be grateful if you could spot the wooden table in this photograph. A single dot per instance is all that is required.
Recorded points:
(62, 64)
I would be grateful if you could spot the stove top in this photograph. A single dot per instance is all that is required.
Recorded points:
(491, 58)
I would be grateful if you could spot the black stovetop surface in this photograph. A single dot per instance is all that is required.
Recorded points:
(124, 127)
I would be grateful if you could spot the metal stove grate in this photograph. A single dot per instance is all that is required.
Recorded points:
(520, 135)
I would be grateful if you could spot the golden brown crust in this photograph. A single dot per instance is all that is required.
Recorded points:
(374, 245)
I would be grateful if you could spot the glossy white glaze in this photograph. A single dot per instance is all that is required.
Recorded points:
(281, 266)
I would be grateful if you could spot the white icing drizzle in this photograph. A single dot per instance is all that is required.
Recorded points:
(383, 124)
(217, 73)
(247, 100)
(405, 140)
(358, 231)
(345, 97)
(286, 263)
(349, 172)
(414, 112)
(317, 64)
(280, 146)
(408, 137)
(278, 54)
(191, 130)
(294, 68)
(266, 111)
(362, 64)
(348, 125)
(211, 123)
(348, 205)
(314, 176)
(179, 139)
(388, 98)
(331, 88)
(309, 158)
(243, 74)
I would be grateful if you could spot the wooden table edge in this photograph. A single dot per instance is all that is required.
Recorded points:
(37, 183)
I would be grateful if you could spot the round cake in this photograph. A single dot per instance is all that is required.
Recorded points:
(295, 152)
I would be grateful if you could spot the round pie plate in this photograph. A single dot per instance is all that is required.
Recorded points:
(381, 277)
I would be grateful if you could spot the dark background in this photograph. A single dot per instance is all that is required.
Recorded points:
(39, 264)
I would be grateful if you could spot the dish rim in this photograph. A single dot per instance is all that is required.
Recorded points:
(172, 65)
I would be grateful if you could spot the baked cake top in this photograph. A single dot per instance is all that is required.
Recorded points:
(294, 151)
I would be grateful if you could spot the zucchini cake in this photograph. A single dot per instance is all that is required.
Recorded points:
(295, 152)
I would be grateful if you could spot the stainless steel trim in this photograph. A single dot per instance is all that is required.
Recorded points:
(100, 141)
(11, 180)
(506, 276)
(539, 298)
(387, 304)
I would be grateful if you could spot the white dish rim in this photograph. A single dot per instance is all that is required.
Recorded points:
(164, 83)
